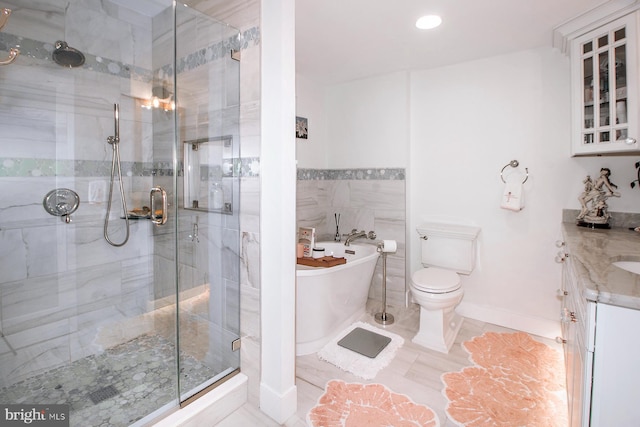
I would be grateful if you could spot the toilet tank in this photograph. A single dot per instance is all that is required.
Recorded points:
(450, 246)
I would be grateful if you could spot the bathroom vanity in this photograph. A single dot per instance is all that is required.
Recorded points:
(600, 321)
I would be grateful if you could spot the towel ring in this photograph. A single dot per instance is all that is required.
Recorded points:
(514, 164)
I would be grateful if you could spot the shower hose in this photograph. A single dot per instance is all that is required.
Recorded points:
(115, 163)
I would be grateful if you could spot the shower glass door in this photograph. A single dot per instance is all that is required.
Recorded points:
(208, 234)
(120, 334)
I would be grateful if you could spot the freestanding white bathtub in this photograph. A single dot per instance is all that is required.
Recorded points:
(330, 299)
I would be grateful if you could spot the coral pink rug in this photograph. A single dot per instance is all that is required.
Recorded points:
(516, 381)
(368, 405)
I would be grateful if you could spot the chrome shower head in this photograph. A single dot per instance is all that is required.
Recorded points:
(67, 56)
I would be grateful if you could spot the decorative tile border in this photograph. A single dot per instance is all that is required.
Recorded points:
(243, 167)
(214, 52)
(75, 168)
(15, 167)
(42, 51)
(387, 174)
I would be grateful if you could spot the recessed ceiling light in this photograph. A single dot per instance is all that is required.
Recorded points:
(428, 22)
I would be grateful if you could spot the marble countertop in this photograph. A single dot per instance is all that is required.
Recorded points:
(592, 253)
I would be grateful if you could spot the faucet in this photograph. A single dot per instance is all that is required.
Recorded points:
(355, 234)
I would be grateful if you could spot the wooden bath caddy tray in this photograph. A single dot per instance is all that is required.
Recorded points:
(327, 261)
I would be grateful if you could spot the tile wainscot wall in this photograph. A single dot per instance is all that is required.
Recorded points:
(366, 199)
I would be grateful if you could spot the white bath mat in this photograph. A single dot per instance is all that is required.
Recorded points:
(355, 363)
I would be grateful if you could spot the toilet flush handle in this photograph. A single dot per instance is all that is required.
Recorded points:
(424, 237)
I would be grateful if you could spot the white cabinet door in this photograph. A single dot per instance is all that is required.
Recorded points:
(569, 334)
(615, 397)
(576, 321)
(604, 73)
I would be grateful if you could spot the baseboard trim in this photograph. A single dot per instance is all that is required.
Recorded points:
(509, 319)
(278, 406)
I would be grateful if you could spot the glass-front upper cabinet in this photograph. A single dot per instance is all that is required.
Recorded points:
(605, 89)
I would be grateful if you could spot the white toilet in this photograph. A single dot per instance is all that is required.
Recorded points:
(447, 249)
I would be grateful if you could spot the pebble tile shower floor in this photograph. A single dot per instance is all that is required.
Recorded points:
(128, 382)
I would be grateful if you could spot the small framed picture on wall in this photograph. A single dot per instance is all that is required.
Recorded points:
(302, 129)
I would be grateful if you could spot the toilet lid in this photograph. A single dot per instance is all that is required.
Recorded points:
(435, 280)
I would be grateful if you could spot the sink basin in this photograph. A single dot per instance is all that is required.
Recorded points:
(632, 266)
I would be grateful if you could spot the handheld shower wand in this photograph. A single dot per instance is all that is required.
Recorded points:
(115, 161)
(116, 123)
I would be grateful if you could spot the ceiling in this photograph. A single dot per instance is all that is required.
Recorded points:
(342, 40)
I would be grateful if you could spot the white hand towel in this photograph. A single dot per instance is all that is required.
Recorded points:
(513, 197)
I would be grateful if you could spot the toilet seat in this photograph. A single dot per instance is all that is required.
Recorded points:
(435, 280)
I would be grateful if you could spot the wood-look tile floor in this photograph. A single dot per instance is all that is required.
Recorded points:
(415, 371)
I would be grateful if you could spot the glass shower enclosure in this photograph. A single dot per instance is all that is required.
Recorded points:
(123, 314)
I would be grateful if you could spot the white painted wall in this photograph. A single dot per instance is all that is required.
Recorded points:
(368, 123)
(468, 121)
(312, 152)
(454, 128)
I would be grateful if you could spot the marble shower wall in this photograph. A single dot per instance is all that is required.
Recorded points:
(64, 284)
(366, 199)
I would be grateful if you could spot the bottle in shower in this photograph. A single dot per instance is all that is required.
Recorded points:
(216, 196)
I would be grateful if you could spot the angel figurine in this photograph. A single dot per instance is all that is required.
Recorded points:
(594, 200)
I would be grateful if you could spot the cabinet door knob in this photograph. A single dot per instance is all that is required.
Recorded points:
(561, 340)
(561, 257)
(559, 243)
(562, 293)
(568, 316)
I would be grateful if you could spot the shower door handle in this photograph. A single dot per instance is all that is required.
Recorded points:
(160, 219)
